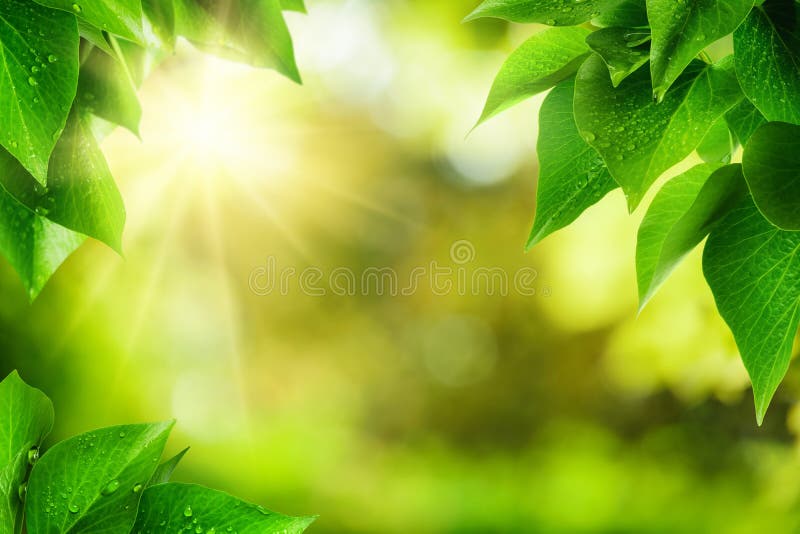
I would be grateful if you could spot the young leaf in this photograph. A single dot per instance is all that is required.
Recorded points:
(771, 164)
(93, 482)
(743, 120)
(767, 54)
(572, 176)
(164, 471)
(38, 80)
(27, 417)
(161, 17)
(681, 30)
(120, 17)
(550, 12)
(106, 89)
(640, 139)
(680, 217)
(753, 270)
(34, 246)
(178, 507)
(81, 194)
(252, 31)
(622, 50)
(541, 62)
(718, 144)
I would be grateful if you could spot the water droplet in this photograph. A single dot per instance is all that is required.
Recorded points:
(76, 8)
(187, 512)
(52, 58)
(110, 488)
(74, 508)
(32, 81)
(137, 488)
(33, 455)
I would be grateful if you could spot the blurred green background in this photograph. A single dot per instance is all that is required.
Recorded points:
(559, 412)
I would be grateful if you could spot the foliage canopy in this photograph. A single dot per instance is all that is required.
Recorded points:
(634, 93)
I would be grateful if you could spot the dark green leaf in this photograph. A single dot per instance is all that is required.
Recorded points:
(26, 417)
(572, 176)
(252, 31)
(753, 270)
(718, 144)
(120, 17)
(680, 217)
(93, 482)
(550, 12)
(541, 62)
(176, 507)
(32, 244)
(622, 50)
(743, 120)
(81, 194)
(771, 164)
(681, 30)
(768, 59)
(38, 80)
(626, 14)
(640, 139)
(165, 470)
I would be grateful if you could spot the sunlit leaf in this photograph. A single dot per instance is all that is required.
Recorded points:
(541, 62)
(768, 59)
(680, 217)
(640, 139)
(550, 12)
(682, 29)
(93, 482)
(26, 417)
(38, 80)
(174, 507)
(165, 470)
(718, 144)
(572, 175)
(120, 17)
(744, 119)
(81, 194)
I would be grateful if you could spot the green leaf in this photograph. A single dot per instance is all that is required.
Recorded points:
(294, 5)
(120, 17)
(165, 470)
(34, 246)
(572, 176)
(95, 37)
(93, 482)
(767, 50)
(626, 14)
(81, 194)
(743, 120)
(161, 17)
(753, 270)
(771, 163)
(718, 145)
(174, 507)
(621, 49)
(681, 30)
(640, 139)
(38, 80)
(251, 31)
(107, 90)
(26, 417)
(680, 217)
(541, 62)
(550, 12)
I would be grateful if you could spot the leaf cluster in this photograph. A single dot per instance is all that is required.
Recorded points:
(69, 73)
(633, 93)
(107, 481)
